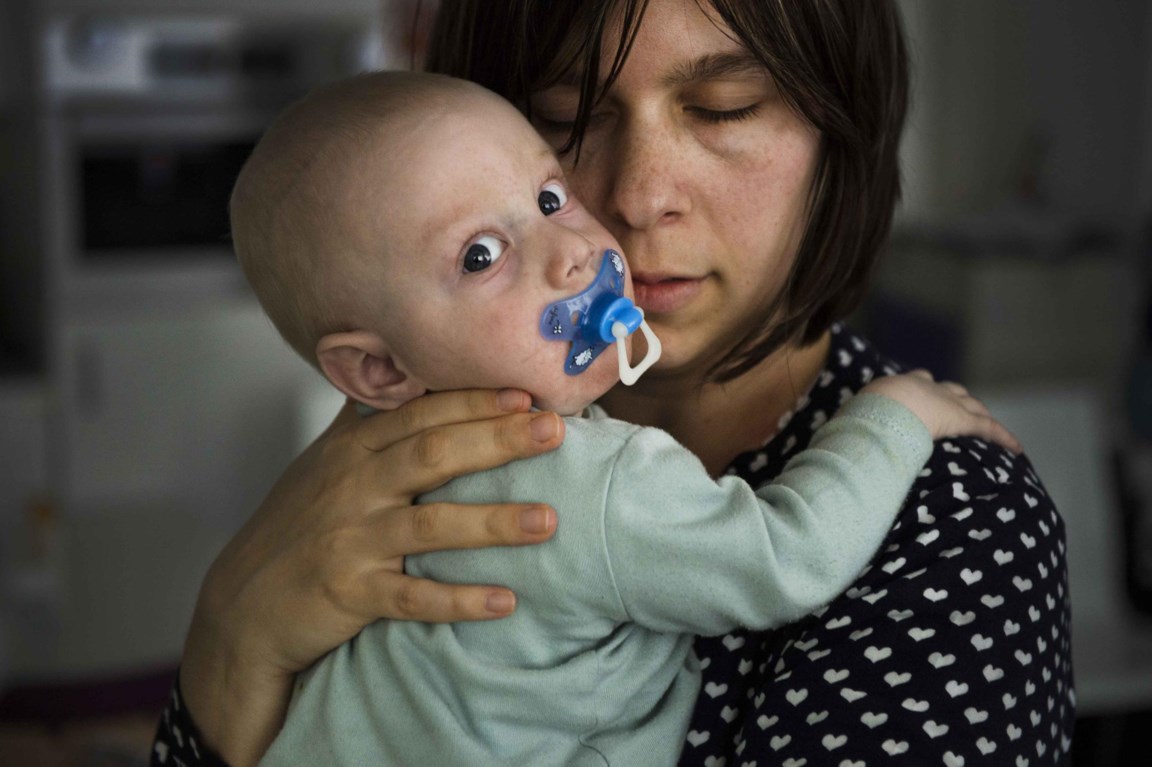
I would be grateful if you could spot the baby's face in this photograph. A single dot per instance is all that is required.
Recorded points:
(482, 235)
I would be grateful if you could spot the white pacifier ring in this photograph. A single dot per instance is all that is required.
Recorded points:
(629, 374)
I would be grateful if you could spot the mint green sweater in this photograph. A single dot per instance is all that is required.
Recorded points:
(595, 667)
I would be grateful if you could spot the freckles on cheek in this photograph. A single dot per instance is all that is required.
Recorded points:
(751, 194)
(789, 173)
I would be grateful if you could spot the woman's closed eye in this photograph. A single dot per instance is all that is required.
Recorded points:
(724, 115)
(555, 127)
(552, 124)
(482, 252)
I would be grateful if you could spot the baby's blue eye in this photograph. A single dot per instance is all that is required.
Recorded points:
(482, 253)
(552, 198)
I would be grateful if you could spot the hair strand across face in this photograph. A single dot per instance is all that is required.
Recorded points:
(841, 64)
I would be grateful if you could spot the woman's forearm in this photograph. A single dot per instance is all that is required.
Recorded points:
(238, 705)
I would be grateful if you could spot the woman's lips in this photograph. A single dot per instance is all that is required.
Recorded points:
(664, 295)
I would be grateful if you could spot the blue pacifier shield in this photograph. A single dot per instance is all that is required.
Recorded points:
(586, 319)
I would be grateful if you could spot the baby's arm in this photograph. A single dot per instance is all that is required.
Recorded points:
(946, 409)
(688, 554)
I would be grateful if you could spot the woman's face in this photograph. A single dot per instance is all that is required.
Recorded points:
(701, 171)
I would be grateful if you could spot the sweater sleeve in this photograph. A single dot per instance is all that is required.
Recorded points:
(177, 740)
(688, 554)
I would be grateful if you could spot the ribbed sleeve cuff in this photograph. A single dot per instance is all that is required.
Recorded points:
(910, 432)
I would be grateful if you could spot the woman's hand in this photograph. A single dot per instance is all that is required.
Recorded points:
(323, 556)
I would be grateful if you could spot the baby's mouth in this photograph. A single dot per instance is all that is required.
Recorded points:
(595, 318)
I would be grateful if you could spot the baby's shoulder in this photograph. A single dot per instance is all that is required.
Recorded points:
(596, 431)
(594, 424)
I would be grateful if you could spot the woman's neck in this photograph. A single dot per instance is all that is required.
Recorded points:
(718, 421)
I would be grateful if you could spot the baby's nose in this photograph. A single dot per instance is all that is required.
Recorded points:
(572, 264)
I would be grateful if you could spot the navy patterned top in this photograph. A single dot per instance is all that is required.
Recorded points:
(952, 647)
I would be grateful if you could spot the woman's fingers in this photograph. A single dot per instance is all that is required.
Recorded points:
(384, 591)
(437, 437)
(430, 458)
(382, 430)
(356, 576)
(402, 597)
(441, 526)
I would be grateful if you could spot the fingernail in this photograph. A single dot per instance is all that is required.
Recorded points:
(536, 520)
(510, 400)
(543, 427)
(500, 602)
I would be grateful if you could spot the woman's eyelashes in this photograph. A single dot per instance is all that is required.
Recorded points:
(724, 115)
(552, 124)
(482, 252)
(557, 128)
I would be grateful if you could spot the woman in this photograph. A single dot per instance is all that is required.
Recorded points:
(745, 156)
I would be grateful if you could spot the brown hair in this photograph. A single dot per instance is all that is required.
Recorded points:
(841, 64)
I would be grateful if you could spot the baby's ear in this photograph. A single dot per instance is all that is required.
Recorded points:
(360, 364)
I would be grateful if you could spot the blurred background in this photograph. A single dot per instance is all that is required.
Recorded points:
(146, 405)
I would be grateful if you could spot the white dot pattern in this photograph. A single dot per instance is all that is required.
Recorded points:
(952, 647)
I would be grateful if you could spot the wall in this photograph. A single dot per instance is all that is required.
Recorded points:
(1028, 162)
(1019, 99)
(1022, 264)
(193, 418)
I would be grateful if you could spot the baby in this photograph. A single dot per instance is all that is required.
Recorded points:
(409, 233)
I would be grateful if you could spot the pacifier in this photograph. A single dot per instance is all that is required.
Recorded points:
(595, 318)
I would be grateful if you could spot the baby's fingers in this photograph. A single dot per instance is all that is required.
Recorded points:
(989, 429)
(974, 406)
(958, 389)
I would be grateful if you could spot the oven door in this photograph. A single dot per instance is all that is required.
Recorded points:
(139, 199)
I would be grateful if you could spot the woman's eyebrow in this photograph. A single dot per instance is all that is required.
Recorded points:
(714, 66)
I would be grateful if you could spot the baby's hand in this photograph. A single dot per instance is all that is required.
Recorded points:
(946, 408)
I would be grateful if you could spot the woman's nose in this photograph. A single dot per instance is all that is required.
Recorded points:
(642, 186)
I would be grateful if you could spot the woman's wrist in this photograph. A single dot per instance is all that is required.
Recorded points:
(237, 700)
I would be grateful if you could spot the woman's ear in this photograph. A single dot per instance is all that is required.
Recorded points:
(360, 364)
